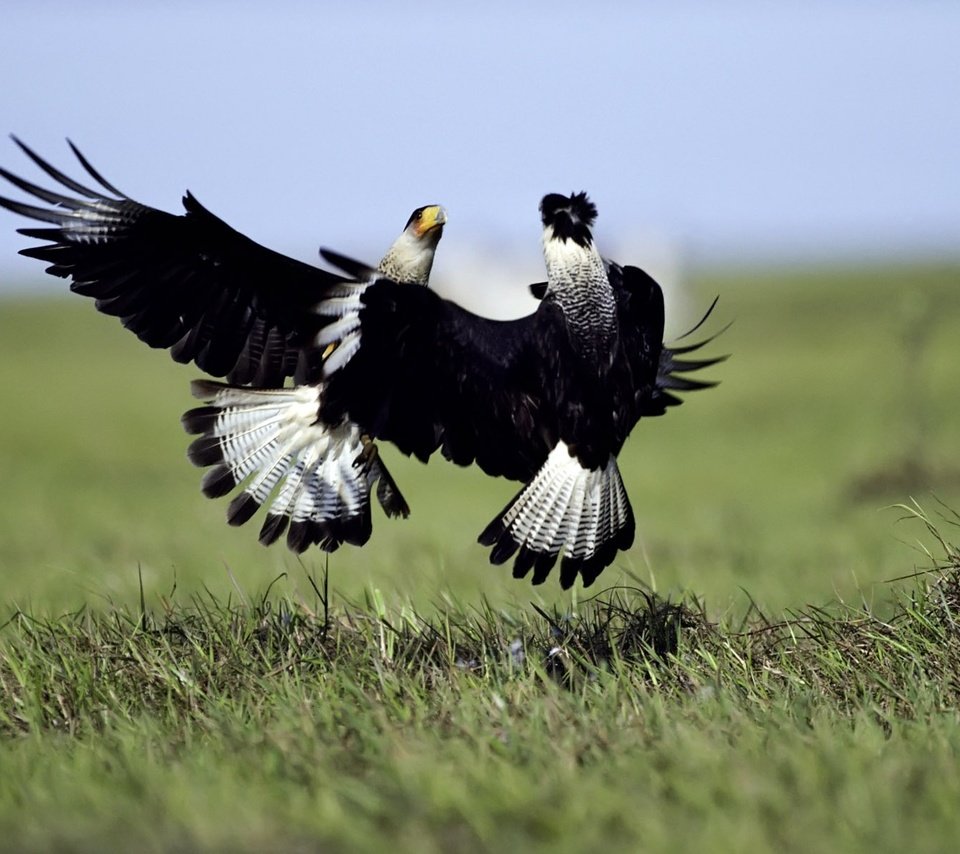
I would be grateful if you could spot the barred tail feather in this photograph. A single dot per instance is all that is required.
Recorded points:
(579, 515)
(270, 443)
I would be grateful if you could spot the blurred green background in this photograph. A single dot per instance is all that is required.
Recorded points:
(839, 400)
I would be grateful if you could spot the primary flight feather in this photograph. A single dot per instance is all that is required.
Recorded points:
(319, 366)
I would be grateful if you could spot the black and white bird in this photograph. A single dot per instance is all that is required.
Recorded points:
(320, 475)
(548, 399)
(194, 285)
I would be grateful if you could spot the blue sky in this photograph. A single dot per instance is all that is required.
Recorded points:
(737, 131)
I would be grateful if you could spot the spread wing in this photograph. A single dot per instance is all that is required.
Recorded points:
(657, 369)
(427, 374)
(188, 283)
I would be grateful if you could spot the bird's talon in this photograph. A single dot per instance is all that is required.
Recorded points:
(368, 455)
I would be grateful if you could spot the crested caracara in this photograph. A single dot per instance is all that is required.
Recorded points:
(192, 284)
(548, 399)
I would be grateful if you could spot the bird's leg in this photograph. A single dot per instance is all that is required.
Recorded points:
(388, 494)
(369, 454)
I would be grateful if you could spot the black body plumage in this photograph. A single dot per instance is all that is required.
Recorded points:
(578, 373)
(547, 399)
(431, 376)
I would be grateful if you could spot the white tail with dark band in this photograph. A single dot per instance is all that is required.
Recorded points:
(270, 441)
(580, 515)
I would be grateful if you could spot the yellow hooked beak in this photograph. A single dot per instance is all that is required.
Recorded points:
(430, 217)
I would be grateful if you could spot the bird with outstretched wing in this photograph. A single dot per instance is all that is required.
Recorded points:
(321, 365)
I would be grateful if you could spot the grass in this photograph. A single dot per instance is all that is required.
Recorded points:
(168, 684)
(284, 724)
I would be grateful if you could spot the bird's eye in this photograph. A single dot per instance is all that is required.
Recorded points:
(417, 215)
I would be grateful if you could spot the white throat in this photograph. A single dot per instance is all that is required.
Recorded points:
(569, 263)
(409, 259)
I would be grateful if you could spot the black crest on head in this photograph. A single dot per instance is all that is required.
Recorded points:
(571, 216)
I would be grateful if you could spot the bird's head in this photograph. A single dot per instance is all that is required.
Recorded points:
(410, 259)
(427, 223)
(568, 217)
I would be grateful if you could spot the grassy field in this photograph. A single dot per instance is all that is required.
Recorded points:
(168, 683)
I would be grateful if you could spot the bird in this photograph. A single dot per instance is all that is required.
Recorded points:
(319, 366)
(547, 399)
(192, 284)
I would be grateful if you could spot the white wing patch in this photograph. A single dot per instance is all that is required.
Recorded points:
(344, 303)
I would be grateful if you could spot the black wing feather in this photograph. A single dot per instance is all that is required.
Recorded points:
(431, 375)
(189, 283)
(66, 180)
(656, 370)
(640, 303)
